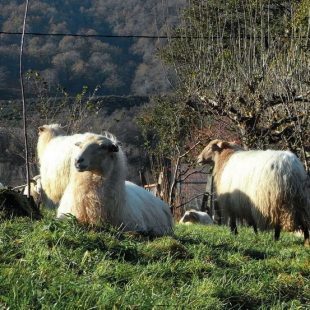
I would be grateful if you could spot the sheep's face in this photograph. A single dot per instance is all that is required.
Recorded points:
(208, 153)
(189, 217)
(96, 154)
(215, 147)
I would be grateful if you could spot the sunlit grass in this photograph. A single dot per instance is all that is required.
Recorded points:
(62, 265)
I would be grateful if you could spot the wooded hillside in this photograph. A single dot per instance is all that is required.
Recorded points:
(118, 65)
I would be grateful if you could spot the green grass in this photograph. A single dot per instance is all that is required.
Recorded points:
(50, 264)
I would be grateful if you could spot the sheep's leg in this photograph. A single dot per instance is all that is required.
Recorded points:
(306, 234)
(218, 213)
(277, 231)
(233, 226)
(253, 224)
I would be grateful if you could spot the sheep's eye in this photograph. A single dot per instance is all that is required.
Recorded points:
(103, 146)
(78, 144)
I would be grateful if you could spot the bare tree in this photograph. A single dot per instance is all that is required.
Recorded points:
(247, 62)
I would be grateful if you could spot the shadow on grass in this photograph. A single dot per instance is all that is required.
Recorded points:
(237, 300)
(254, 254)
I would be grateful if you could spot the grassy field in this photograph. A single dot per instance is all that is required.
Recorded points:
(49, 264)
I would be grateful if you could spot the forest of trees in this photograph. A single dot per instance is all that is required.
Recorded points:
(119, 66)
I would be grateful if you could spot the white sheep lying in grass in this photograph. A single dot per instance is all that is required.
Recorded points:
(265, 188)
(197, 217)
(55, 150)
(97, 192)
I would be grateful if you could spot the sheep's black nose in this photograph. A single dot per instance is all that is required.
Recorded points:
(79, 160)
(79, 164)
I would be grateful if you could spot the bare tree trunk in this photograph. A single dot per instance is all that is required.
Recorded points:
(173, 181)
(23, 98)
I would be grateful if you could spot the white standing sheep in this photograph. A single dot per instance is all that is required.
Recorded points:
(265, 188)
(55, 150)
(197, 217)
(98, 193)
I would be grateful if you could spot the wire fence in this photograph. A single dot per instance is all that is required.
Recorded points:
(129, 36)
(92, 35)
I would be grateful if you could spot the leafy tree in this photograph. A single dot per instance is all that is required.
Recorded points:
(170, 128)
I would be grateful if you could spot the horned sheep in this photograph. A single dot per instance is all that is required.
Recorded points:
(196, 217)
(98, 193)
(268, 189)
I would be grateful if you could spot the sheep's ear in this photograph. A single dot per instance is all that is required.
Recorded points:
(113, 148)
(223, 145)
(216, 147)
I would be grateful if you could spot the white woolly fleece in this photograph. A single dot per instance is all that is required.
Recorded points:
(103, 195)
(55, 165)
(266, 187)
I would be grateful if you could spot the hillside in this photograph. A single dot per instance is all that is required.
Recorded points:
(62, 265)
(119, 66)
